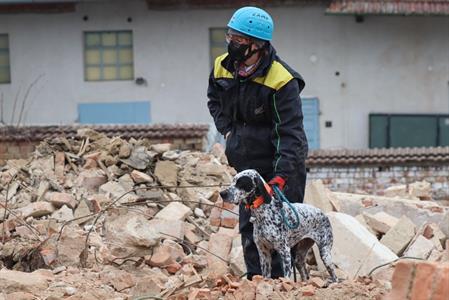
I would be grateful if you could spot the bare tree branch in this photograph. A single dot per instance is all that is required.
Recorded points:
(27, 93)
(16, 100)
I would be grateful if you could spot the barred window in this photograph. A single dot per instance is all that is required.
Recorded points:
(217, 43)
(5, 73)
(108, 55)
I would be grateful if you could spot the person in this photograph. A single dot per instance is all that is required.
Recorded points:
(254, 99)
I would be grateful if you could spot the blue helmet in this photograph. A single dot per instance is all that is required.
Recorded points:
(253, 22)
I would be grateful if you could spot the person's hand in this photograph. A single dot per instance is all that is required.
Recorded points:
(227, 134)
(278, 181)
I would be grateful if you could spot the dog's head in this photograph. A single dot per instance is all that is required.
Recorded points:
(245, 188)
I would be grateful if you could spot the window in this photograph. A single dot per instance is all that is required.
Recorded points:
(5, 75)
(114, 113)
(217, 43)
(108, 55)
(404, 130)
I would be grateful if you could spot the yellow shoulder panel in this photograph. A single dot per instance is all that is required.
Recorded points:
(277, 77)
(219, 70)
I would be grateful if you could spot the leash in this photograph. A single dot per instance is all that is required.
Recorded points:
(284, 199)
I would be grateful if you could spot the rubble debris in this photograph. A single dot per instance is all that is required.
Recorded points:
(102, 218)
(420, 280)
(356, 251)
(380, 222)
(319, 196)
(399, 236)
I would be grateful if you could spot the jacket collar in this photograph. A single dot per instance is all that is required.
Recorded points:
(263, 67)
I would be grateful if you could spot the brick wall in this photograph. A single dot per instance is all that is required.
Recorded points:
(16, 149)
(23, 149)
(375, 179)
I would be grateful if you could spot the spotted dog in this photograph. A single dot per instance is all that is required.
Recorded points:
(271, 232)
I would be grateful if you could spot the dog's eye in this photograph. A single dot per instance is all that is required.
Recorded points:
(244, 183)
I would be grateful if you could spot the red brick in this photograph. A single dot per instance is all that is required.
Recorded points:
(229, 206)
(215, 217)
(441, 284)
(229, 222)
(422, 284)
(402, 280)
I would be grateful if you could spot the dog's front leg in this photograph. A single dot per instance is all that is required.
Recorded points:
(265, 259)
(286, 259)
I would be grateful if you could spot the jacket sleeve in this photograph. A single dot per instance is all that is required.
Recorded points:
(222, 122)
(288, 136)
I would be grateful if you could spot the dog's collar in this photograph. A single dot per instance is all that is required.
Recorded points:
(260, 199)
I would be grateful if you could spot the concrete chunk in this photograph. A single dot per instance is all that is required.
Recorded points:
(381, 221)
(421, 190)
(396, 191)
(61, 199)
(13, 281)
(219, 244)
(318, 195)
(399, 236)
(166, 172)
(168, 229)
(356, 251)
(37, 209)
(174, 211)
(420, 248)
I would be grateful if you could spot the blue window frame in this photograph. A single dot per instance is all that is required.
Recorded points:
(115, 113)
(311, 111)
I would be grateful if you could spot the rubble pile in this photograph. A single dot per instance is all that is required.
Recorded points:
(104, 218)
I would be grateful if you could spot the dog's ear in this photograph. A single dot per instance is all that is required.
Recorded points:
(261, 190)
(245, 183)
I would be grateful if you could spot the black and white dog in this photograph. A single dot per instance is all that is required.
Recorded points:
(270, 230)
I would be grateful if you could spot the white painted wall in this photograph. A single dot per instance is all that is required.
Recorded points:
(386, 64)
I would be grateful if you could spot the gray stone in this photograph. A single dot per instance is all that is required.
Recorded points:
(362, 221)
(356, 251)
(236, 261)
(116, 190)
(129, 233)
(419, 212)
(380, 222)
(60, 199)
(171, 155)
(140, 177)
(63, 214)
(70, 246)
(168, 229)
(399, 236)
(127, 182)
(396, 191)
(37, 209)
(421, 189)
(139, 159)
(44, 186)
(219, 244)
(420, 248)
(161, 148)
(174, 211)
(318, 195)
(14, 281)
(81, 211)
(166, 172)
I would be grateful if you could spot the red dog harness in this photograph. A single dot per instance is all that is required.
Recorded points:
(260, 200)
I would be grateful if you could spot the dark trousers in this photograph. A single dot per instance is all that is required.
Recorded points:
(294, 191)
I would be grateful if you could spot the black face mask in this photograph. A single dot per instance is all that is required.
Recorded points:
(237, 51)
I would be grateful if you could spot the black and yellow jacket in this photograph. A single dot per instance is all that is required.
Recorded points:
(262, 112)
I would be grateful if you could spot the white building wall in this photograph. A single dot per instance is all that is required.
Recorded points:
(387, 64)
